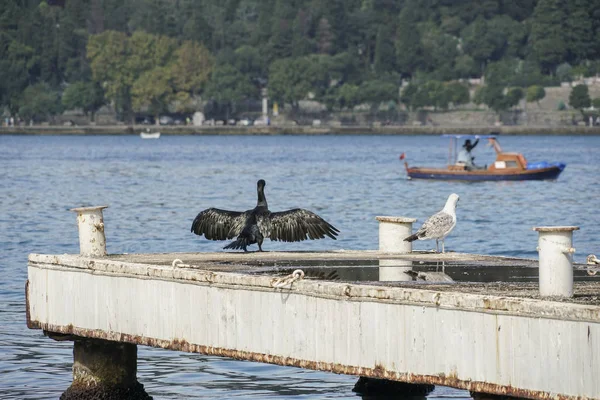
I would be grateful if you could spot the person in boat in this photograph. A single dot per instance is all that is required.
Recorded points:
(464, 155)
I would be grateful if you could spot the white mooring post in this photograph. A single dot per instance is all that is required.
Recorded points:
(395, 270)
(555, 247)
(90, 223)
(392, 231)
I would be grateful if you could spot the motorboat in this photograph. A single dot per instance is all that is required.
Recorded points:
(150, 135)
(509, 166)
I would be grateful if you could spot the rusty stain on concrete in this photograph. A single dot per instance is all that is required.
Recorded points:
(378, 371)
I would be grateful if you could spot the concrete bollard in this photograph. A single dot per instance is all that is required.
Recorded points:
(395, 270)
(555, 247)
(392, 231)
(90, 223)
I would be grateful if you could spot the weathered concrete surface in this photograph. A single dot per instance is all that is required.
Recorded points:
(499, 344)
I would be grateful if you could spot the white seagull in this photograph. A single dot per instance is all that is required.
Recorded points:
(439, 225)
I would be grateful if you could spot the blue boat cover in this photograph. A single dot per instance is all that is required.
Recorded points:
(545, 164)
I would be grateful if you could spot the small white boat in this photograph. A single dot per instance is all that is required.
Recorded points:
(149, 135)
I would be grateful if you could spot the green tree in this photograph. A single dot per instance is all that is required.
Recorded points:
(18, 63)
(228, 86)
(280, 43)
(409, 56)
(336, 13)
(302, 42)
(486, 41)
(492, 96)
(579, 30)
(408, 94)
(146, 51)
(439, 52)
(73, 36)
(250, 62)
(579, 98)
(362, 33)
(564, 72)
(513, 96)
(384, 50)
(85, 95)
(153, 90)
(145, 70)
(159, 17)
(196, 26)
(458, 93)
(288, 82)
(466, 67)
(324, 37)
(348, 96)
(376, 92)
(547, 37)
(108, 53)
(39, 102)
(191, 67)
(436, 94)
(535, 93)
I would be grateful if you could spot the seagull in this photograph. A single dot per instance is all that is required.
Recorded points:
(439, 225)
(253, 226)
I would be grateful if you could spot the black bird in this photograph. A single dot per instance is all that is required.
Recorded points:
(253, 226)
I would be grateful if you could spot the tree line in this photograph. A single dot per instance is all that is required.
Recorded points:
(151, 56)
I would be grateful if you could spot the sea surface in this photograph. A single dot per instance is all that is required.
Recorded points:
(155, 188)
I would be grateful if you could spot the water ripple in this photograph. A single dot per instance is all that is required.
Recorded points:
(155, 188)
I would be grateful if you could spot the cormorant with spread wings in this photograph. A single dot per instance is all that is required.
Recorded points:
(253, 226)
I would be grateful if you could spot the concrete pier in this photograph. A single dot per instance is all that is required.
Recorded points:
(365, 317)
(496, 338)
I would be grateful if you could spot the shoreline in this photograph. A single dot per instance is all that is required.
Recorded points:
(299, 130)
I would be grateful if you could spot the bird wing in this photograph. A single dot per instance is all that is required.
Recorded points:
(299, 224)
(216, 224)
(436, 226)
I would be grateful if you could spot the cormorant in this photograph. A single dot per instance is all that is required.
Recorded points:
(253, 226)
(439, 225)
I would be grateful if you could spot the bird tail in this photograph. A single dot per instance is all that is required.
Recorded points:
(411, 238)
(240, 243)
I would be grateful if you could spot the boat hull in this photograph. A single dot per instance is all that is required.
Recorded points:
(484, 175)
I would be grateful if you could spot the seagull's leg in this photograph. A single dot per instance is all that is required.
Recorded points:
(443, 249)
(259, 247)
(437, 246)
